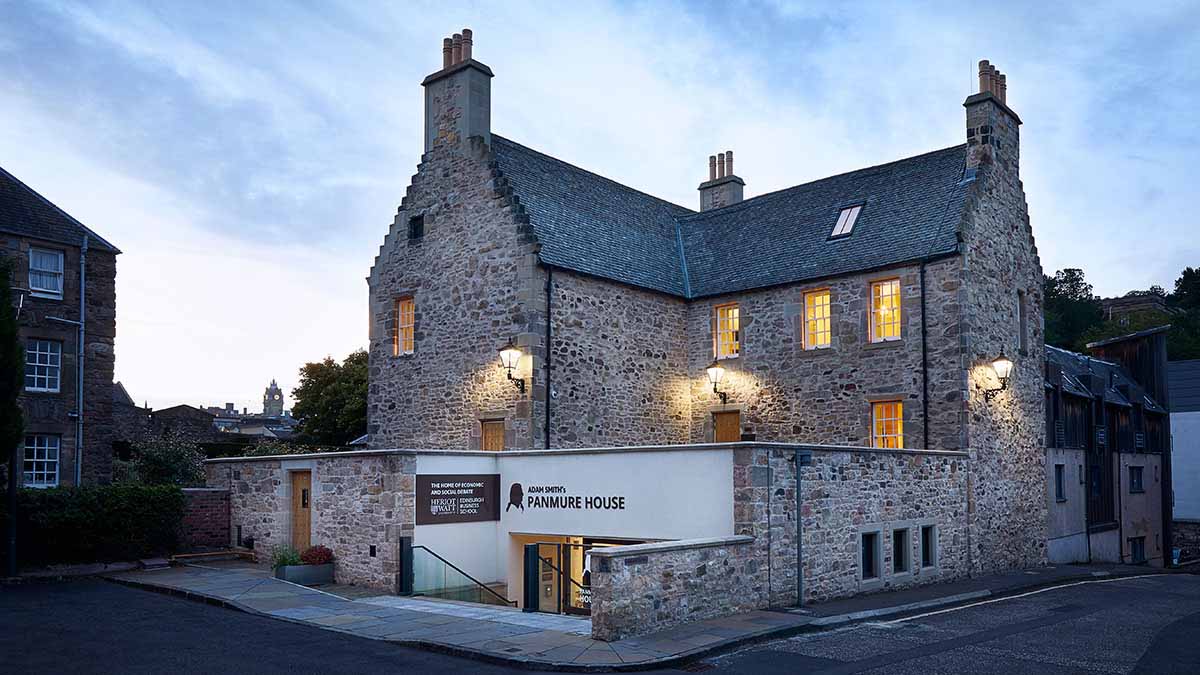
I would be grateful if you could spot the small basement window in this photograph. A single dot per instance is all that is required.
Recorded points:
(900, 549)
(846, 220)
(416, 227)
(870, 555)
(928, 545)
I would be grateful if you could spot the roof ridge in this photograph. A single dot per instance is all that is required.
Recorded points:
(593, 173)
(56, 207)
(775, 193)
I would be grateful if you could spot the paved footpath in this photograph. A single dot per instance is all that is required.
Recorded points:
(502, 634)
(480, 631)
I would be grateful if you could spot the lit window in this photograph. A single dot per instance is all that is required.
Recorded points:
(46, 273)
(43, 364)
(816, 320)
(885, 310)
(403, 335)
(887, 424)
(41, 460)
(726, 332)
(846, 220)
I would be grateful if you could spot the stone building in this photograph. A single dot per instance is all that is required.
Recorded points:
(65, 276)
(865, 309)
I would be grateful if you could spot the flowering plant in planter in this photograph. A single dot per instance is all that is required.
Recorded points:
(317, 555)
(313, 567)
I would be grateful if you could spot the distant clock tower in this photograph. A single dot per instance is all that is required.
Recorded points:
(273, 401)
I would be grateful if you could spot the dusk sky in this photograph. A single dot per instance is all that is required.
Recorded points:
(247, 158)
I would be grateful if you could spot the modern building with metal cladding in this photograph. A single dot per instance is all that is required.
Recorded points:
(831, 389)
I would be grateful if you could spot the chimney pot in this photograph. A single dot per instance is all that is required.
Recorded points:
(992, 85)
(1003, 83)
(456, 48)
(446, 62)
(466, 44)
(729, 162)
(721, 165)
(712, 167)
(984, 84)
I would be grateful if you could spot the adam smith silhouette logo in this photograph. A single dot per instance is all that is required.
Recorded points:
(516, 497)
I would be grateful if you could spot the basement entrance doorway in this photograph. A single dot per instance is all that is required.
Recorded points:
(557, 575)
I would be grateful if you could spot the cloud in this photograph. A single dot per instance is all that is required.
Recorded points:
(249, 157)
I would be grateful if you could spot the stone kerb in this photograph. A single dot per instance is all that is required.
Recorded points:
(646, 588)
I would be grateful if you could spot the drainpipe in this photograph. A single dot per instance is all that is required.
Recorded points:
(79, 350)
(924, 362)
(549, 351)
(803, 458)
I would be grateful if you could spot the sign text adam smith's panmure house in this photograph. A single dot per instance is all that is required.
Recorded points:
(864, 309)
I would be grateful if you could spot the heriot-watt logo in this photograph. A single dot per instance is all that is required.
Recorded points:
(516, 497)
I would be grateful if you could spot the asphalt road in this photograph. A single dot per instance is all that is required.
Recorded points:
(95, 626)
(1146, 625)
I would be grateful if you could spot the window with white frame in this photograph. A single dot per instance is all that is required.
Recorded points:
(43, 365)
(887, 424)
(885, 310)
(846, 220)
(41, 460)
(46, 272)
(726, 331)
(817, 324)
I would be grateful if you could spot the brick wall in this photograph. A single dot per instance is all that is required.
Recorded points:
(205, 519)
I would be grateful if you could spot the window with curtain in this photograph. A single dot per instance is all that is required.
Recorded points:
(46, 273)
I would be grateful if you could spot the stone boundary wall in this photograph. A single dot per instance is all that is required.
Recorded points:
(1186, 534)
(650, 587)
(205, 519)
(362, 503)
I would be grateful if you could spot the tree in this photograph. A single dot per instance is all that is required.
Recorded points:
(331, 400)
(12, 423)
(1071, 309)
(1187, 290)
(163, 461)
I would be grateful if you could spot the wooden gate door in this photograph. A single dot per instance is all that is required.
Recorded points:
(727, 427)
(301, 510)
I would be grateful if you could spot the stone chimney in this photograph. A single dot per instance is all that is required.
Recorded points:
(722, 187)
(458, 98)
(993, 129)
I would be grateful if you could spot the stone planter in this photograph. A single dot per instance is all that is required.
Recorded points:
(306, 575)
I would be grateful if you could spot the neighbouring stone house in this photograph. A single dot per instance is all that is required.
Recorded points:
(65, 277)
(864, 309)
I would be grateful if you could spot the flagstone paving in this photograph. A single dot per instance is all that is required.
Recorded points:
(497, 632)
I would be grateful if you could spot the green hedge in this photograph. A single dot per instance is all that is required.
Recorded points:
(90, 524)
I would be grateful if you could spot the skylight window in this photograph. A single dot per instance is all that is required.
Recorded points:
(846, 220)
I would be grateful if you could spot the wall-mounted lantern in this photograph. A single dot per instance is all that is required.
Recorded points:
(715, 374)
(1003, 367)
(509, 356)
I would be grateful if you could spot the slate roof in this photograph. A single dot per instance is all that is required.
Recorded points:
(1183, 383)
(26, 213)
(594, 225)
(597, 226)
(1119, 387)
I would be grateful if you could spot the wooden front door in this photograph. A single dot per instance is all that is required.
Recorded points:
(301, 510)
(493, 435)
(727, 427)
